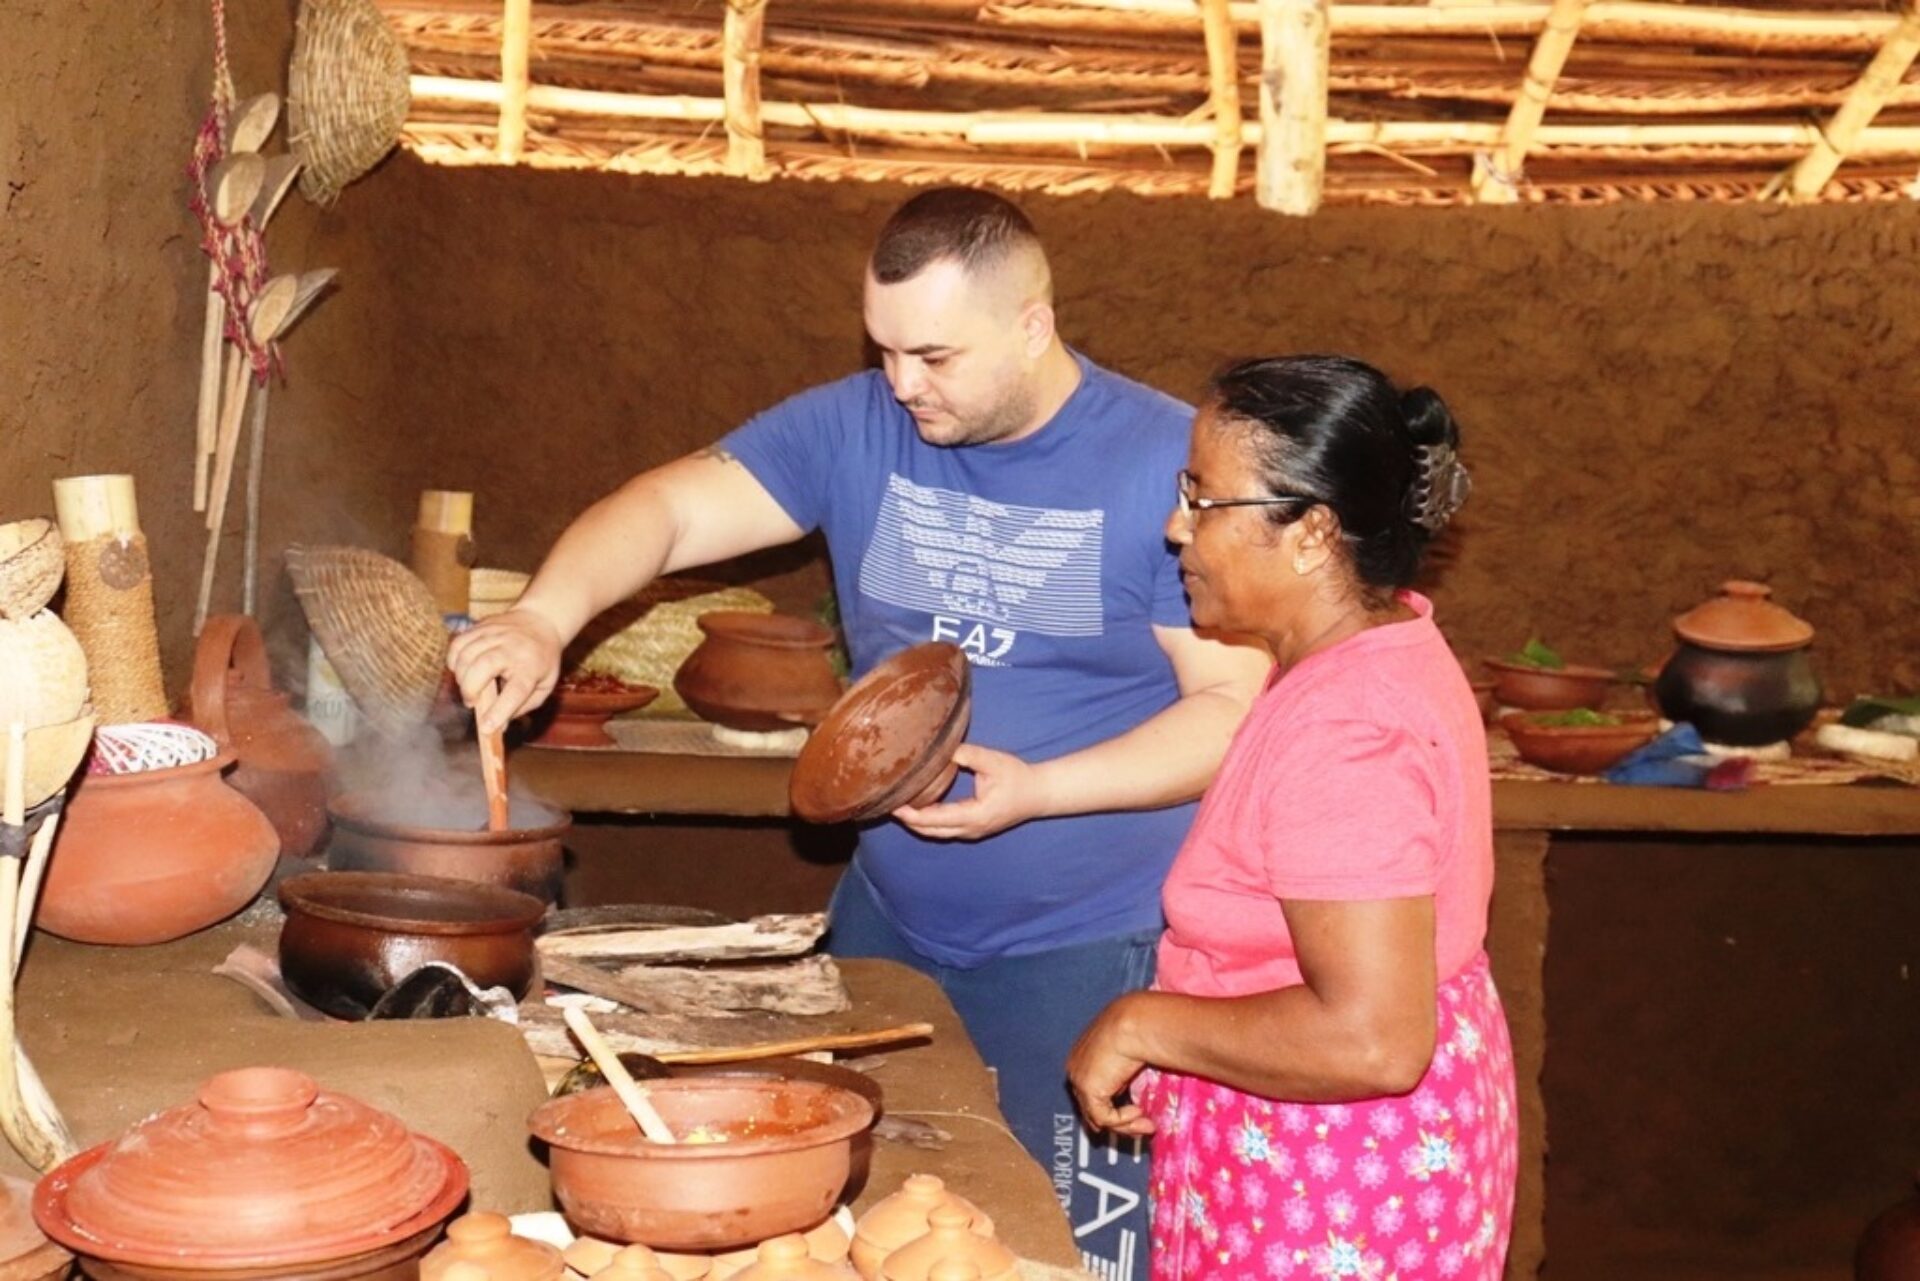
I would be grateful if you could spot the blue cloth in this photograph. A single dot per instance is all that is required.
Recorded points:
(1678, 758)
(1024, 1014)
(1046, 560)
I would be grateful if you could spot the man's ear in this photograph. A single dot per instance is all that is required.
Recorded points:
(1036, 328)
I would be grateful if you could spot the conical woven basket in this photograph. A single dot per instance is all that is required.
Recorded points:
(643, 641)
(347, 93)
(379, 627)
(32, 558)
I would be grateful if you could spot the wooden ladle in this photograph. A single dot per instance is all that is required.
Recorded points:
(232, 187)
(251, 123)
(631, 1095)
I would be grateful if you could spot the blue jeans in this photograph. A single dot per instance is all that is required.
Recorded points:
(1024, 1013)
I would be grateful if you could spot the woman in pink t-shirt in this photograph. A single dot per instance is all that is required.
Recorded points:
(1323, 1062)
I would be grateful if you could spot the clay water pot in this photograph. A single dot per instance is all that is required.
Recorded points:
(950, 1242)
(155, 855)
(781, 1166)
(394, 832)
(889, 741)
(1741, 674)
(902, 1217)
(283, 761)
(350, 937)
(486, 1240)
(264, 1175)
(1889, 1250)
(759, 672)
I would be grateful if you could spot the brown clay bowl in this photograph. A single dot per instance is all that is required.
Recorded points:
(350, 936)
(1578, 749)
(1542, 689)
(785, 1160)
(392, 832)
(889, 742)
(578, 718)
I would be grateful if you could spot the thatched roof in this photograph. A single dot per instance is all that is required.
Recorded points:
(1290, 101)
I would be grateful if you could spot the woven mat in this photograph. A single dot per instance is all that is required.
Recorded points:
(1808, 770)
(680, 738)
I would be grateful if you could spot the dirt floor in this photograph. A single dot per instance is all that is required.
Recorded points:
(1654, 399)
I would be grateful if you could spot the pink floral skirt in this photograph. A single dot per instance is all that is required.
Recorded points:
(1392, 1189)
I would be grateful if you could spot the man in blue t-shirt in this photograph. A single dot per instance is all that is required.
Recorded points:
(990, 487)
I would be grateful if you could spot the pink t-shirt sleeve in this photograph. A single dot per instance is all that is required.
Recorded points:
(1354, 815)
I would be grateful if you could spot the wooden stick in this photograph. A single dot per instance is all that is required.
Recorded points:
(516, 51)
(35, 1132)
(1294, 55)
(1494, 180)
(256, 458)
(232, 186)
(1864, 101)
(1223, 99)
(615, 1072)
(742, 33)
(801, 1045)
(30, 878)
(493, 773)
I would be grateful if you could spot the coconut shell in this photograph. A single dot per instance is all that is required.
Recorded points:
(43, 672)
(54, 752)
(33, 557)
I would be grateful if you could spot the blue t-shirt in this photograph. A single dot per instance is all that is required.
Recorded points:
(1045, 560)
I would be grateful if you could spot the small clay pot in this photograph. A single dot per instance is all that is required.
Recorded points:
(759, 672)
(1578, 749)
(783, 1163)
(578, 718)
(1548, 689)
(1889, 1250)
(950, 1242)
(284, 762)
(226, 1187)
(153, 856)
(889, 741)
(486, 1240)
(903, 1217)
(350, 937)
(394, 832)
(1741, 675)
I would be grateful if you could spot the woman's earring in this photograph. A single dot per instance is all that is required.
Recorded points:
(1299, 564)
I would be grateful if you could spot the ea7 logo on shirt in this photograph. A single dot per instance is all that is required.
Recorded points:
(983, 644)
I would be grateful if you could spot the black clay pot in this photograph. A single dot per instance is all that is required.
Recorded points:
(1889, 1249)
(1741, 700)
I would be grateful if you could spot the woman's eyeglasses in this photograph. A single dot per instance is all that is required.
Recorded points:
(1189, 504)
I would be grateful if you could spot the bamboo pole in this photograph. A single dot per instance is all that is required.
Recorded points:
(744, 29)
(1294, 56)
(1869, 94)
(1496, 177)
(516, 53)
(1223, 78)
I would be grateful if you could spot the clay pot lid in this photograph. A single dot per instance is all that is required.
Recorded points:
(949, 1239)
(263, 1169)
(887, 738)
(1742, 619)
(788, 1258)
(486, 1240)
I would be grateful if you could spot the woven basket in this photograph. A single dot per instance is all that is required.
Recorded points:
(379, 627)
(43, 672)
(54, 752)
(347, 93)
(493, 591)
(32, 559)
(643, 641)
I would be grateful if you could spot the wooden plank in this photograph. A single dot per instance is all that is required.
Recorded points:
(1865, 810)
(808, 986)
(761, 938)
(687, 1039)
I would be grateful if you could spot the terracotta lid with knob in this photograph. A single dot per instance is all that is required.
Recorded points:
(589, 1256)
(900, 1218)
(263, 1169)
(487, 1239)
(950, 1239)
(635, 1263)
(788, 1258)
(1743, 620)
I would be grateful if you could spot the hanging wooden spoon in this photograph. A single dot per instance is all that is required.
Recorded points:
(274, 185)
(250, 124)
(232, 187)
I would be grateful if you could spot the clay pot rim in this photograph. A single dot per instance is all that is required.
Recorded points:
(515, 911)
(351, 811)
(852, 1114)
(589, 703)
(50, 1212)
(1572, 671)
(775, 631)
(217, 763)
(1631, 723)
(917, 774)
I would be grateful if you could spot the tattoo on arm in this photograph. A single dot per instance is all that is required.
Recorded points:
(717, 454)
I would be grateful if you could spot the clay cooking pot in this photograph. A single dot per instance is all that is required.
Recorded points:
(385, 832)
(781, 1167)
(155, 855)
(283, 761)
(1741, 674)
(351, 936)
(759, 672)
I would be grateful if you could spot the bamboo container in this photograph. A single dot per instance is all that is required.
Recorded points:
(443, 547)
(110, 596)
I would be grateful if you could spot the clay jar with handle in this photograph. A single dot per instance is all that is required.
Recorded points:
(950, 1240)
(902, 1217)
(1741, 674)
(263, 1175)
(155, 855)
(486, 1239)
(759, 672)
(283, 762)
